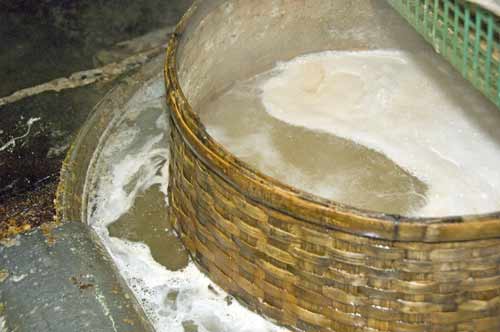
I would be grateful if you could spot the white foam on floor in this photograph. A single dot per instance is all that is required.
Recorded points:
(382, 100)
(418, 113)
(133, 159)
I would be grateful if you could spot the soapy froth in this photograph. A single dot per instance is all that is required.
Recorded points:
(133, 159)
(411, 108)
(428, 121)
(445, 137)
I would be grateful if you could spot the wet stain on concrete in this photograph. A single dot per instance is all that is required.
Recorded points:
(38, 155)
(22, 212)
(147, 221)
(46, 39)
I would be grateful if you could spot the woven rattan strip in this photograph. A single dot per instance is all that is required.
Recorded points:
(315, 279)
(312, 265)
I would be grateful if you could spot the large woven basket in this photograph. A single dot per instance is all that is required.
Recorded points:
(309, 263)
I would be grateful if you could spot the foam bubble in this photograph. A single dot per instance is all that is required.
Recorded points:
(415, 111)
(133, 159)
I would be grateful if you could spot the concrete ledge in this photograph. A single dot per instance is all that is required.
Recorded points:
(63, 280)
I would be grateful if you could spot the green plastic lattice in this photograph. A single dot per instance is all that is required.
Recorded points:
(465, 34)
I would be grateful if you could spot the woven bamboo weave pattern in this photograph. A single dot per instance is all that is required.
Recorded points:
(314, 265)
(318, 279)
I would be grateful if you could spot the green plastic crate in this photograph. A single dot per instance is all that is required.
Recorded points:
(466, 34)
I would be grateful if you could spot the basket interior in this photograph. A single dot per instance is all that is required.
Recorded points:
(223, 42)
(227, 41)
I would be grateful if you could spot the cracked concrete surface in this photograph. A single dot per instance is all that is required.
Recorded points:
(142, 49)
(103, 42)
(46, 39)
(82, 78)
(58, 60)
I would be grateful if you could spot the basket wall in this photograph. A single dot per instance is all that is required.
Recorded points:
(318, 279)
(314, 265)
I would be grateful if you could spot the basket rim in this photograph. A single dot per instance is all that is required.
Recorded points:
(332, 214)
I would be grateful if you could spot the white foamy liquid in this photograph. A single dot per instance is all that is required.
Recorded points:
(411, 108)
(132, 160)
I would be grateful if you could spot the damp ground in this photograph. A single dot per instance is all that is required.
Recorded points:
(58, 60)
(48, 40)
(127, 208)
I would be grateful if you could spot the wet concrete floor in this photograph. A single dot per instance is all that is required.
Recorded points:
(63, 283)
(49, 39)
(147, 221)
(59, 279)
